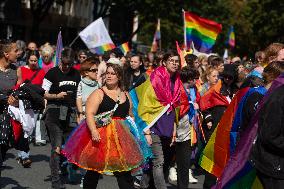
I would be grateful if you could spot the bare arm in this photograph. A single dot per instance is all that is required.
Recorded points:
(19, 76)
(131, 105)
(92, 106)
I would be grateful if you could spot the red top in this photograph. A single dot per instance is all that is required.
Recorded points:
(77, 66)
(27, 73)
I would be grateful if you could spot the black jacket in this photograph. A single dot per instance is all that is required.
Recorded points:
(268, 150)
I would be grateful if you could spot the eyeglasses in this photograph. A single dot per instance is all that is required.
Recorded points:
(94, 70)
(172, 61)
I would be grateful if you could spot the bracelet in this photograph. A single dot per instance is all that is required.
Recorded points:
(81, 113)
(147, 133)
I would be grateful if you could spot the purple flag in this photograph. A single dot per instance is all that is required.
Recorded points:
(59, 47)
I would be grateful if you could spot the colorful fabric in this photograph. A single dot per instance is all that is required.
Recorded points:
(124, 48)
(59, 47)
(202, 32)
(117, 150)
(231, 37)
(217, 151)
(238, 162)
(101, 49)
(181, 55)
(157, 38)
(213, 97)
(154, 97)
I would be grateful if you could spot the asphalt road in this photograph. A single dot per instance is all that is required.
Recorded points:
(14, 176)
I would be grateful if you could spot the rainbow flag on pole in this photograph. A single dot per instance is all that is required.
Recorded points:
(157, 38)
(124, 48)
(202, 32)
(231, 37)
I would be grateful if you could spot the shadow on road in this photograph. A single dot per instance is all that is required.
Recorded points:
(39, 158)
(5, 181)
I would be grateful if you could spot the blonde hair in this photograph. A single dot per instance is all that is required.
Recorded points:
(47, 50)
(207, 72)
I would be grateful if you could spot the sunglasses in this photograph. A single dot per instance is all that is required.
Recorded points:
(83, 57)
(94, 70)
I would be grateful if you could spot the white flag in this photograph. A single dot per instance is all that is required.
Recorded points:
(95, 34)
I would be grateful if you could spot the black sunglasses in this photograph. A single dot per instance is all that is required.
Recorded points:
(93, 70)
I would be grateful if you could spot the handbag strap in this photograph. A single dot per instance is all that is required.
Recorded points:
(35, 74)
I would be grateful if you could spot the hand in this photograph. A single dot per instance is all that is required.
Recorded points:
(61, 95)
(149, 139)
(173, 140)
(13, 101)
(209, 125)
(80, 117)
(96, 135)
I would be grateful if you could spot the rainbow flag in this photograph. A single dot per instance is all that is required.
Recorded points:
(202, 32)
(101, 49)
(222, 142)
(217, 151)
(213, 97)
(231, 37)
(153, 98)
(238, 169)
(124, 48)
(157, 38)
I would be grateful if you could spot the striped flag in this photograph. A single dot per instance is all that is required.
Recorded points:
(96, 37)
(157, 38)
(124, 48)
(59, 47)
(201, 31)
(231, 37)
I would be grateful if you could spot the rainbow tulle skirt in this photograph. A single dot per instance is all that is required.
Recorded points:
(118, 149)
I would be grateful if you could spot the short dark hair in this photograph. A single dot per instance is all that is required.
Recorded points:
(87, 64)
(188, 73)
(68, 55)
(5, 46)
(32, 53)
(190, 58)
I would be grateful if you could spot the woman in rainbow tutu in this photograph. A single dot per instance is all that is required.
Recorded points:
(103, 143)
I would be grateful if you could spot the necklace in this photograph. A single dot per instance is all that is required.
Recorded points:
(3, 69)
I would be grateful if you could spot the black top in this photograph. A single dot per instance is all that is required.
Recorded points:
(63, 82)
(268, 150)
(108, 104)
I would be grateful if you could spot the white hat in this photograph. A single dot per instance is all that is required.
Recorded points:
(114, 61)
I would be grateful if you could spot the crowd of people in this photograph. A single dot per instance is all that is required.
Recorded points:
(142, 118)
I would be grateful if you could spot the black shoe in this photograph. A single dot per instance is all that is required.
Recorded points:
(26, 163)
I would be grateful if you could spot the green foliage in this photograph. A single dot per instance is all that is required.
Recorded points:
(257, 23)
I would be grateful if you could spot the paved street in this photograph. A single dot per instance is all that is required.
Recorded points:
(14, 176)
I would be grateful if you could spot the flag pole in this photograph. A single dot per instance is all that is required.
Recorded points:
(160, 41)
(74, 41)
(184, 29)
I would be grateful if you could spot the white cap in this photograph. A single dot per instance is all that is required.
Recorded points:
(114, 61)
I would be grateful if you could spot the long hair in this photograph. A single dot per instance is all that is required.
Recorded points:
(272, 71)
(119, 73)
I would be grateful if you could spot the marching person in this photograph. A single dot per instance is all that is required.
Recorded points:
(60, 84)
